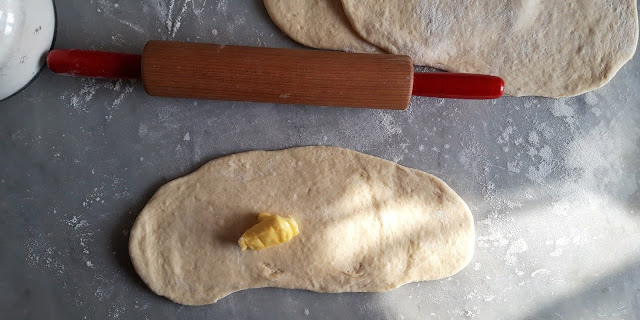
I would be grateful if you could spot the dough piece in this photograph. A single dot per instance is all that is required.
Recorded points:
(318, 24)
(539, 47)
(366, 224)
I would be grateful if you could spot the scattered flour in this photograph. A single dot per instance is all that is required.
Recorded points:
(540, 172)
(174, 11)
(76, 223)
(566, 167)
(389, 124)
(560, 244)
(599, 156)
(506, 134)
(518, 246)
(79, 101)
(382, 135)
(41, 254)
(591, 99)
(533, 138)
(540, 272)
(560, 108)
(94, 197)
(81, 224)
(514, 166)
(495, 239)
(545, 153)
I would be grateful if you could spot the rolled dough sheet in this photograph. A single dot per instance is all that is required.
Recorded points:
(317, 23)
(366, 224)
(539, 47)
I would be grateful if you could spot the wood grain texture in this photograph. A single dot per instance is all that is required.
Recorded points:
(310, 77)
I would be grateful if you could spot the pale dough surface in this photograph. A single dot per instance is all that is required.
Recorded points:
(318, 24)
(366, 224)
(547, 48)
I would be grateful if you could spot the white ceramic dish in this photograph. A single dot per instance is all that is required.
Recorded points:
(27, 28)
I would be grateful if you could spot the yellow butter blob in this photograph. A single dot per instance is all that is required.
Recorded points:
(271, 230)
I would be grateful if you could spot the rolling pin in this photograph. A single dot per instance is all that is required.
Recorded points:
(286, 76)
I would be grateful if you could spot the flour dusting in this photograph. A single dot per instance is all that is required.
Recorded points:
(561, 109)
(517, 247)
(83, 102)
(591, 99)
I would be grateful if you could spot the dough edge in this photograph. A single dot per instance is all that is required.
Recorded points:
(346, 39)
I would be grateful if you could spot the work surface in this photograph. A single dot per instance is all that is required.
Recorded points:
(552, 184)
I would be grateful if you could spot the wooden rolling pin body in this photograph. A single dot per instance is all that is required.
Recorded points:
(221, 72)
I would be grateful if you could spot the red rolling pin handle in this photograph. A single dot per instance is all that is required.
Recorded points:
(97, 64)
(457, 85)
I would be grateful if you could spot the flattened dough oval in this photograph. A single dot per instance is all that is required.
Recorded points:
(539, 47)
(366, 224)
(317, 23)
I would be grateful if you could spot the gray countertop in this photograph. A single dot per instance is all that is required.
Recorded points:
(552, 184)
